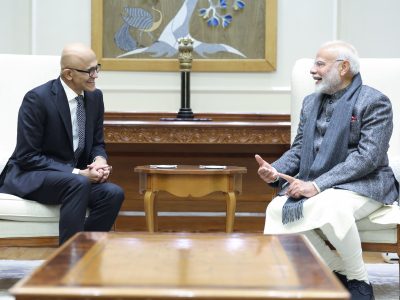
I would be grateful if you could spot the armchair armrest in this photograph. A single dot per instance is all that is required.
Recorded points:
(394, 162)
(3, 162)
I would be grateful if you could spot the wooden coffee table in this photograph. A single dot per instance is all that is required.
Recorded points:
(181, 266)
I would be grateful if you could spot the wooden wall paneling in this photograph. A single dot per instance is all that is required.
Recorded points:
(141, 139)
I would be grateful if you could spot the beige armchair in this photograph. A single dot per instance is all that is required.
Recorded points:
(381, 230)
(23, 222)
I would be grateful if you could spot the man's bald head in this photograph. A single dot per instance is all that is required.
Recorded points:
(79, 67)
(76, 55)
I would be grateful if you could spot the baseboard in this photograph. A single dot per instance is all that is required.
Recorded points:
(51, 241)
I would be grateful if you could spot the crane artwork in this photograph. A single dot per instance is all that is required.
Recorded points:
(140, 19)
(166, 45)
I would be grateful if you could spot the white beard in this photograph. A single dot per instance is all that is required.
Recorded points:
(330, 84)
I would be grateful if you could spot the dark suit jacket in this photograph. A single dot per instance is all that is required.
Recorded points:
(44, 138)
(365, 170)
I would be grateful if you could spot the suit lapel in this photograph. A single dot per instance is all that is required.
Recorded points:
(61, 103)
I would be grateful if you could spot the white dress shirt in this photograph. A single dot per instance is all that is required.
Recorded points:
(72, 102)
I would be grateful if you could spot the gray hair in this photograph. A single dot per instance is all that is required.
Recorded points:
(346, 52)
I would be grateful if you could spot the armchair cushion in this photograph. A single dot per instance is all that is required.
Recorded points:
(14, 208)
(17, 229)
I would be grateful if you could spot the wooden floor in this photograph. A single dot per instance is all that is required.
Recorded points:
(373, 257)
(25, 253)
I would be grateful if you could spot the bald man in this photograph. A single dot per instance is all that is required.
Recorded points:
(60, 155)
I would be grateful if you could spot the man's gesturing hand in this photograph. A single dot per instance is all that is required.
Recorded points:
(299, 188)
(266, 172)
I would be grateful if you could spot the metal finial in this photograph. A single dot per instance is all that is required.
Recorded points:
(185, 54)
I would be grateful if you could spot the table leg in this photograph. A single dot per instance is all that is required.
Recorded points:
(230, 211)
(150, 213)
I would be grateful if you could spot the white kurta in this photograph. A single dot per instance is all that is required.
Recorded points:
(337, 207)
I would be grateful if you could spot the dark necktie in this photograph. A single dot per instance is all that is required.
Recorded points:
(81, 120)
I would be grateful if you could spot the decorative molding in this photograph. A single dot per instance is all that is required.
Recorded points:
(142, 128)
(193, 135)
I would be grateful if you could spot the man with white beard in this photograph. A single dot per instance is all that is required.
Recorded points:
(336, 171)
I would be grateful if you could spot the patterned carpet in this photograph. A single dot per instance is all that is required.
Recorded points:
(384, 277)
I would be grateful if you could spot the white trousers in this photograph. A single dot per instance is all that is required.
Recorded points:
(334, 212)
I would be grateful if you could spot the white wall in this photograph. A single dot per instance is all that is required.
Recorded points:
(15, 26)
(373, 26)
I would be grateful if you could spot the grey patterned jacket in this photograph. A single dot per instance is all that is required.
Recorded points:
(365, 170)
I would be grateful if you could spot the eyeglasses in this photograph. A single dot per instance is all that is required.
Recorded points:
(320, 64)
(91, 71)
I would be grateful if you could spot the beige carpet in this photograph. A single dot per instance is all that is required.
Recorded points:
(13, 270)
(384, 277)
(385, 280)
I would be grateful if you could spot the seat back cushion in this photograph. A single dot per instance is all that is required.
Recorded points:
(18, 75)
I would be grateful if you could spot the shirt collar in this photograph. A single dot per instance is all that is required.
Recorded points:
(71, 95)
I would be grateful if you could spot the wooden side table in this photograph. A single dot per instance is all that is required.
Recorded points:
(189, 180)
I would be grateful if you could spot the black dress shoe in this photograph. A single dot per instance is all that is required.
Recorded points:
(360, 290)
(342, 278)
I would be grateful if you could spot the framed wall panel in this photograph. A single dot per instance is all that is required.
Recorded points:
(229, 35)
